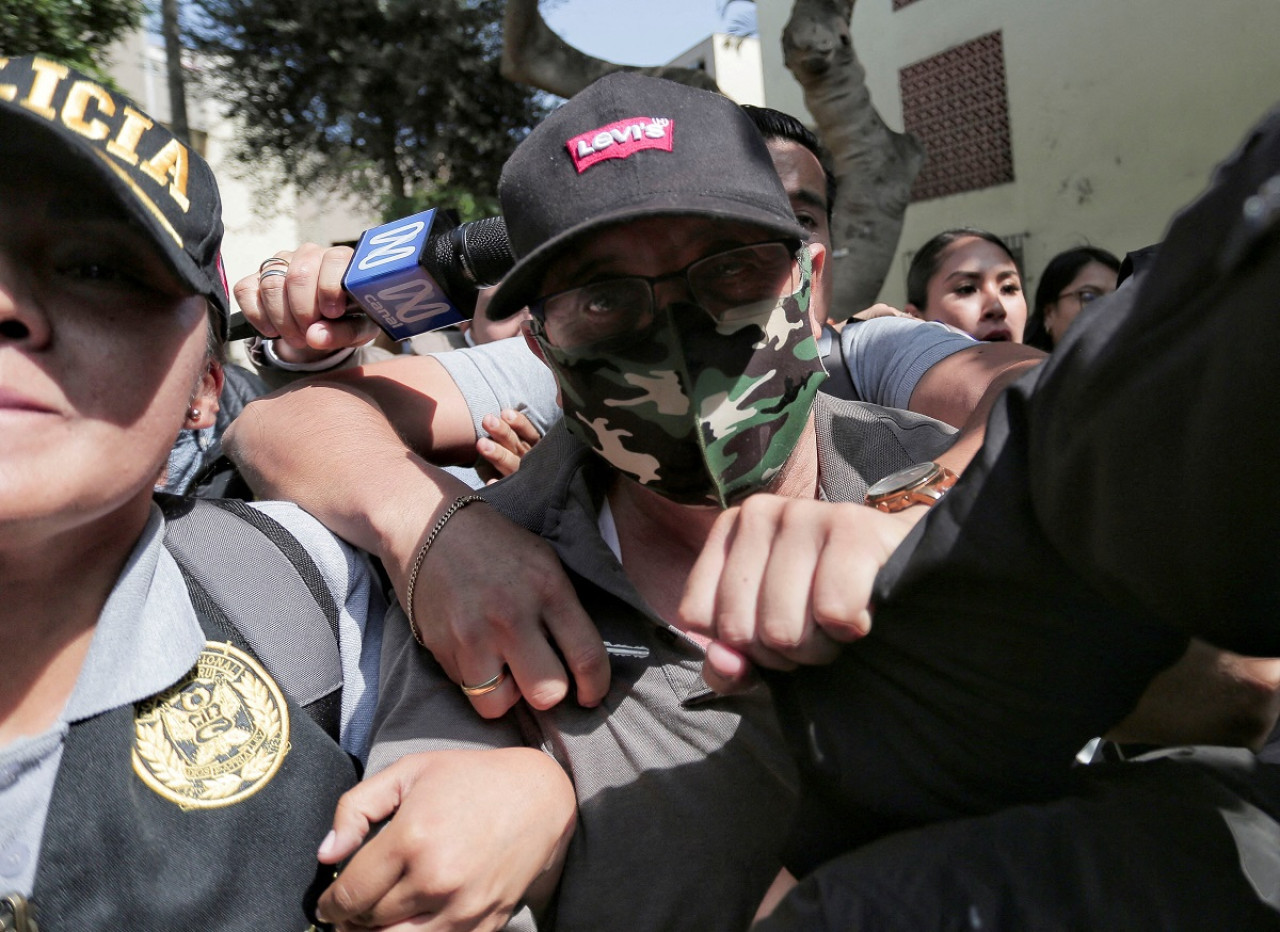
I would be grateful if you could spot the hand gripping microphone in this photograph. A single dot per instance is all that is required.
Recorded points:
(422, 272)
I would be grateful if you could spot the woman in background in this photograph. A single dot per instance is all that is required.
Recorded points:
(1071, 282)
(968, 279)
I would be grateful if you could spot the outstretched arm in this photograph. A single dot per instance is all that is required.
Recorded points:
(488, 592)
(785, 581)
(960, 389)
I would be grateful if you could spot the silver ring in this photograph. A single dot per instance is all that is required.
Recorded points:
(263, 276)
(488, 686)
(274, 260)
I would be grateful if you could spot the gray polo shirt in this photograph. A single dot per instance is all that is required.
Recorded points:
(684, 796)
(498, 375)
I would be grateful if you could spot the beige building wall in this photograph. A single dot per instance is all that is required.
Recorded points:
(1118, 111)
(734, 63)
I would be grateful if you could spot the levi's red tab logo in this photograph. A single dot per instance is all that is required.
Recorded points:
(621, 139)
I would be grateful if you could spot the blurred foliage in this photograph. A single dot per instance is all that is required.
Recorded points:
(399, 102)
(76, 32)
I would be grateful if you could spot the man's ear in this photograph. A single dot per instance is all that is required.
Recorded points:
(819, 298)
(205, 397)
(913, 310)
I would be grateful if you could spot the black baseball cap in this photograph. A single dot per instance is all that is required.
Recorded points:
(628, 147)
(167, 189)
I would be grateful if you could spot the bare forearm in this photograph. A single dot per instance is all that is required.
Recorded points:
(974, 427)
(327, 447)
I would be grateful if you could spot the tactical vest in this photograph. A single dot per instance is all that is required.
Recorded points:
(202, 808)
(174, 850)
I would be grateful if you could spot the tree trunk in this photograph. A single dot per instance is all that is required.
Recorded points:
(399, 202)
(171, 27)
(874, 165)
(533, 54)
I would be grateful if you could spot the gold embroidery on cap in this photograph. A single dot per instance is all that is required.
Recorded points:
(125, 145)
(142, 196)
(75, 111)
(215, 738)
(170, 161)
(47, 75)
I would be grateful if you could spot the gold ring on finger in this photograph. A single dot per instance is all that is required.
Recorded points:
(488, 686)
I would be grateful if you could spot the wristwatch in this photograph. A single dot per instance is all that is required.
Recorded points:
(921, 484)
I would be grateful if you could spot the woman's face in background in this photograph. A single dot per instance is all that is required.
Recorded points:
(977, 289)
(1093, 281)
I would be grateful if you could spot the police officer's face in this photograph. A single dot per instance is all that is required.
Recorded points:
(102, 350)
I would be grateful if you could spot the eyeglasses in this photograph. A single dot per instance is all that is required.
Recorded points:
(1084, 295)
(720, 284)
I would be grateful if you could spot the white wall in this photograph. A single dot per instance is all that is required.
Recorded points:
(1118, 111)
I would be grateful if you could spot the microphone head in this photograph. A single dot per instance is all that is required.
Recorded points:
(390, 277)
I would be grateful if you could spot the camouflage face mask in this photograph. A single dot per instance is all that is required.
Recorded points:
(703, 412)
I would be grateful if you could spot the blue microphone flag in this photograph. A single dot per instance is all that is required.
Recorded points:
(389, 281)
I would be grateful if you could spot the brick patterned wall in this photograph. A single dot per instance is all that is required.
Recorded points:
(957, 104)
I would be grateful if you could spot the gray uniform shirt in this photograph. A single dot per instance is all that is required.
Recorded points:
(684, 796)
(146, 639)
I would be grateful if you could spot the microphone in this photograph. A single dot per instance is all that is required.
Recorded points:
(420, 273)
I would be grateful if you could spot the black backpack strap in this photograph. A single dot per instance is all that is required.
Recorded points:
(273, 595)
(838, 381)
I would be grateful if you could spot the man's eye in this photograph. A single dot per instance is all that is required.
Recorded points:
(808, 222)
(601, 305)
(726, 268)
(605, 299)
(98, 271)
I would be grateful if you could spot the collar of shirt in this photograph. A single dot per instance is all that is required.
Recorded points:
(147, 635)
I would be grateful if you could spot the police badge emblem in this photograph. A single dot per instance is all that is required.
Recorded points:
(215, 738)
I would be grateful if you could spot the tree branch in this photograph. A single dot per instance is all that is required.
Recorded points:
(874, 165)
(533, 54)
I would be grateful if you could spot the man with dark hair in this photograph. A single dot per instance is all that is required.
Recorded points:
(776, 125)
(674, 296)
(880, 354)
